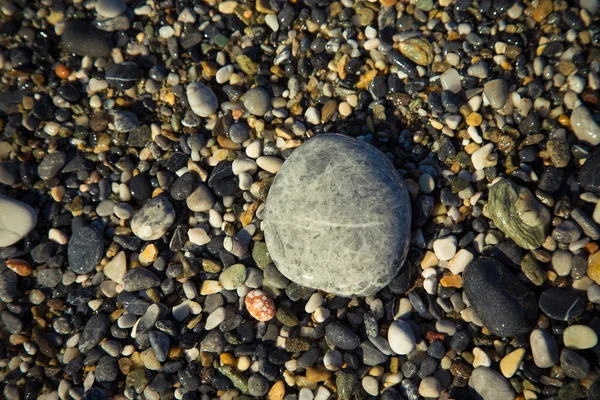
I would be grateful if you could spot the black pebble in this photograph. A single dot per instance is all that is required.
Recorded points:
(561, 304)
(86, 249)
(140, 187)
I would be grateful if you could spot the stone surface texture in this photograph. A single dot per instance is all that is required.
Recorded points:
(503, 303)
(338, 217)
(518, 214)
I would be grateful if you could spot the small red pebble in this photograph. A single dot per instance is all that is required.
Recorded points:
(431, 336)
(260, 306)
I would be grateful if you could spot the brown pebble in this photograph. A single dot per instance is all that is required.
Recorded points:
(20, 267)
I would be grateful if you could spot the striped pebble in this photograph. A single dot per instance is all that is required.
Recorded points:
(260, 306)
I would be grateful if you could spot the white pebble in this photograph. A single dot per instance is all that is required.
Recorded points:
(445, 248)
(198, 236)
(430, 387)
(269, 163)
(315, 301)
(401, 337)
(478, 158)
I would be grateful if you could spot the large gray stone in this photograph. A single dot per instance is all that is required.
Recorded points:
(338, 217)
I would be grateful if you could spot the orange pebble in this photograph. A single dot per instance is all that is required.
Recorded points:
(20, 267)
(62, 71)
(260, 306)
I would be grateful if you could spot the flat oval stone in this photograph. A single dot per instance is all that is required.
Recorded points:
(338, 217)
(561, 304)
(584, 126)
(154, 219)
(503, 303)
(86, 249)
(17, 219)
(123, 76)
(485, 383)
(202, 99)
(81, 38)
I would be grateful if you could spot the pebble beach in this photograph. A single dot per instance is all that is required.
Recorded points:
(163, 163)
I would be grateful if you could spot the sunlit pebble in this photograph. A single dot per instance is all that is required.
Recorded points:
(260, 305)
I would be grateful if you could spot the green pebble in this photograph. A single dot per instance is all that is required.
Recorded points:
(425, 5)
(233, 277)
(286, 317)
(137, 380)
(458, 184)
(533, 270)
(238, 380)
(260, 254)
(221, 40)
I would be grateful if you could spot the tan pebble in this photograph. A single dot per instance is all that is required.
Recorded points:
(430, 260)
(149, 255)
(317, 374)
(474, 119)
(481, 358)
(277, 391)
(259, 305)
(510, 363)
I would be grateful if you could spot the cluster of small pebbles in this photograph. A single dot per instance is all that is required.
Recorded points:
(138, 143)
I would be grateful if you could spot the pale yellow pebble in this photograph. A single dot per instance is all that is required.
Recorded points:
(510, 363)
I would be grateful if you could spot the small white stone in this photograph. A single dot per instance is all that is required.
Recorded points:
(315, 301)
(460, 261)
(215, 318)
(321, 314)
(445, 248)
(254, 149)
(451, 80)
(269, 163)
(481, 358)
(240, 165)
(401, 337)
(305, 394)
(272, 22)
(244, 181)
(478, 158)
(17, 219)
(430, 387)
(198, 236)
(370, 384)
(166, 31)
(115, 269)
(313, 116)
(187, 15)
(202, 100)
(224, 73)
(562, 262)
(58, 236)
